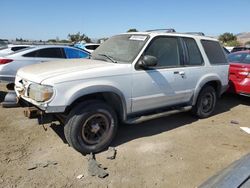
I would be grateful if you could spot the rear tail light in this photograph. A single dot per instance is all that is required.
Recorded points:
(245, 73)
(5, 61)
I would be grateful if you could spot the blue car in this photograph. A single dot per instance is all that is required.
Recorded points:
(89, 47)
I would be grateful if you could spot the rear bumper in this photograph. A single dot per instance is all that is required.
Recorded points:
(7, 79)
(11, 101)
(240, 87)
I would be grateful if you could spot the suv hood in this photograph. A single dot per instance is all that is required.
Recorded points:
(39, 72)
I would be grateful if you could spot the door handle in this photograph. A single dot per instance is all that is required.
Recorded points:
(182, 73)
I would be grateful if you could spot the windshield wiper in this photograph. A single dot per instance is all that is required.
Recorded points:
(109, 57)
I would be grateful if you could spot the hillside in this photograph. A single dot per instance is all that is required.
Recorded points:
(243, 37)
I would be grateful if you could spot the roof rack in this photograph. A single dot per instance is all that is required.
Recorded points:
(196, 33)
(170, 30)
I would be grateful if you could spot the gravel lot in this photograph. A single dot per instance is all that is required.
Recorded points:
(175, 151)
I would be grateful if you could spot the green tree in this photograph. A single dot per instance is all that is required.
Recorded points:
(226, 37)
(233, 43)
(132, 30)
(64, 41)
(78, 37)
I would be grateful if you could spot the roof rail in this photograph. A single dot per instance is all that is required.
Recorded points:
(196, 33)
(170, 30)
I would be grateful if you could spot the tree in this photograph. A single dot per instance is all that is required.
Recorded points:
(132, 30)
(226, 37)
(233, 43)
(64, 41)
(78, 37)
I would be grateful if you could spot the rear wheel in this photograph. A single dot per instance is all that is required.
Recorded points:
(206, 102)
(91, 127)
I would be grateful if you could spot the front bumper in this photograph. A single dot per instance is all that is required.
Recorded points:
(21, 88)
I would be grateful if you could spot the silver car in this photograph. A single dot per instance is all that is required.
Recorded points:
(12, 48)
(9, 64)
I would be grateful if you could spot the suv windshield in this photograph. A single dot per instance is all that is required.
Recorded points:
(121, 48)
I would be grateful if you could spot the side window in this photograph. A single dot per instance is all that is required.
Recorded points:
(214, 52)
(18, 48)
(235, 57)
(246, 59)
(74, 53)
(31, 54)
(166, 50)
(50, 53)
(91, 47)
(194, 54)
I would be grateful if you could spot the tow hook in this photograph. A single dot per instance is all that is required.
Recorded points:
(33, 113)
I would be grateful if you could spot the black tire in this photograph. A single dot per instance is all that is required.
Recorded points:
(91, 126)
(205, 103)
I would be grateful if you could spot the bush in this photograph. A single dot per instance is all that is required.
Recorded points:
(232, 43)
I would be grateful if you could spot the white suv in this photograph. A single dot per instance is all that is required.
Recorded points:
(130, 78)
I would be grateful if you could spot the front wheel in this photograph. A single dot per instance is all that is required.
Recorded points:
(91, 127)
(206, 102)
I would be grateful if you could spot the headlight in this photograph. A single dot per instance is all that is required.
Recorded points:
(40, 93)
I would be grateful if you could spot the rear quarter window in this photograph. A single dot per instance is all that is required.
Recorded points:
(214, 52)
(18, 48)
(91, 47)
(194, 55)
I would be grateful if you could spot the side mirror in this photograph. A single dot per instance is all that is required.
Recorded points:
(148, 61)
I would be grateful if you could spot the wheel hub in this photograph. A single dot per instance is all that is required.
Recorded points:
(205, 102)
(95, 128)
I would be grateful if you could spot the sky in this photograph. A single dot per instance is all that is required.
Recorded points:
(48, 19)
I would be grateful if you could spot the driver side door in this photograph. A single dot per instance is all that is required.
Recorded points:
(162, 85)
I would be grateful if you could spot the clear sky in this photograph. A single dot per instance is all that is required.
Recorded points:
(46, 19)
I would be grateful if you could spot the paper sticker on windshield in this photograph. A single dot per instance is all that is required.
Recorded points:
(138, 37)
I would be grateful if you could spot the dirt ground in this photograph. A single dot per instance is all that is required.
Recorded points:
(175, 151)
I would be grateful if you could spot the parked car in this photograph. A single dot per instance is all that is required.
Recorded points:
(89, 47)
(226, 50)
(3, 44)
(130, 78)
(240, 48)
(239, 72)
(12, 48)
(36, 54)
(229, 48)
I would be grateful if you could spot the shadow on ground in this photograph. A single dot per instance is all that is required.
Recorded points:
(58, 129)
(127, 133)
